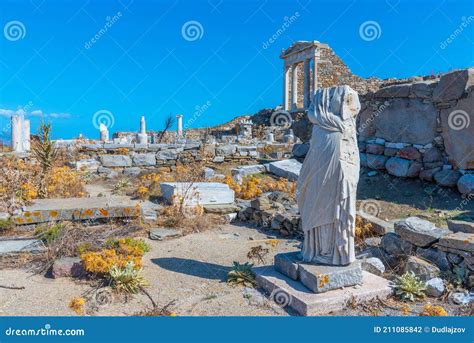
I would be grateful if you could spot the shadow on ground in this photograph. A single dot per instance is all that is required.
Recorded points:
(200, 269)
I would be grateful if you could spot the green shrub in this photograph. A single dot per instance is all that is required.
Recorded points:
(408, 287)
(127, 279)
(49, 234)
(241, 274)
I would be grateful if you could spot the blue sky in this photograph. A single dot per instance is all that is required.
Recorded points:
(143, 63)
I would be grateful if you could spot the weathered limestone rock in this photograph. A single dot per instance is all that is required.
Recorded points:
(423, 269)
(289, 169)
(466, 184)
(394, 245)
(432, 155)
(226, 150)
(167, 155)
(375, 149)
(394, 91)
(163, 233)
(398, 166)
(46, 210)
(198, 193)
(428, 174)
(419, 232)
(460, 226)
(287, 264)
(459, 241)
(435, 287)
(458, 130)
(395, 123)
(12, 246)
(409, 153)
(116, 161)
(221, 209)
(320, 278)
(248, 170)
(261, 203)
(447, 178)
(90, 165)
(133, 171)
(144, 160)
(414, 169)
(378, 225)
(423, 89)
(376, 161)
(390, 152)
(453, 85)
(438, 257)
(67, 267)
(373, 265)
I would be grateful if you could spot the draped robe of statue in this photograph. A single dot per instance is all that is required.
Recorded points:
(327, 184)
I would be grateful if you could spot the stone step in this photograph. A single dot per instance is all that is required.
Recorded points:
(289, 169)
(46, 210)
(293, 295)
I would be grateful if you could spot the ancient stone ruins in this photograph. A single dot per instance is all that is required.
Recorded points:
(352, 192)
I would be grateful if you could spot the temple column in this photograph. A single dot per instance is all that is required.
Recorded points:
(315, 74)
(17, 133)
(286, 85)
(142, 137)
(179, 118)
(294, 87)
(307, 86)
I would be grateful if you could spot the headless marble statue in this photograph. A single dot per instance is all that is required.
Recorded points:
(327, 184)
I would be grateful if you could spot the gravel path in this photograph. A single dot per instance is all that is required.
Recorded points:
(190, 270)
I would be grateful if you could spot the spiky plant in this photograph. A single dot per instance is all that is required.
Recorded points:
(408, 287)
(241, 274)
(127, 279)
(45, 152)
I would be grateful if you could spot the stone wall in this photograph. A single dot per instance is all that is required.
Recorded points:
(131, 159)
(418, 127)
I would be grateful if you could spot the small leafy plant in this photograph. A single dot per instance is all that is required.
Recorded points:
(127, 279)
(241, 274)
(409, 287)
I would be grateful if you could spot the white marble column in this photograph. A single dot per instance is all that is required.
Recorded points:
(104, 133)
(26, 143)
(286, 86)
(315, 74)
(294, 87)
(142, 137)
(17, 133)
(179, 118)
(307, 86)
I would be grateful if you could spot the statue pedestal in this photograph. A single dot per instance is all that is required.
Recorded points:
(311, 289)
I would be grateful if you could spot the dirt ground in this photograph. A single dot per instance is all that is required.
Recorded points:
(190, 270)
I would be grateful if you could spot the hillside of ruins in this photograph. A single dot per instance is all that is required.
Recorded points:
(199, 218)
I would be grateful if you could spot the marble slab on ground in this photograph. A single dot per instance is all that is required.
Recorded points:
(46, 210)
(12, 246)
(289, 169)
(198, 193)
(303, 301)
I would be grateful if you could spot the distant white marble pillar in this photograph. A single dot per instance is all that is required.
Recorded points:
(17, 133)
(26, 143)
(270, 137)
(179, 118)
(307, 86)
(142, 137)
(104, 133)
(286, 85)
(294, 87)
(315, 75)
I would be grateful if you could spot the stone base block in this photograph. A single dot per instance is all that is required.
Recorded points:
(318, 278)
(294, 296)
